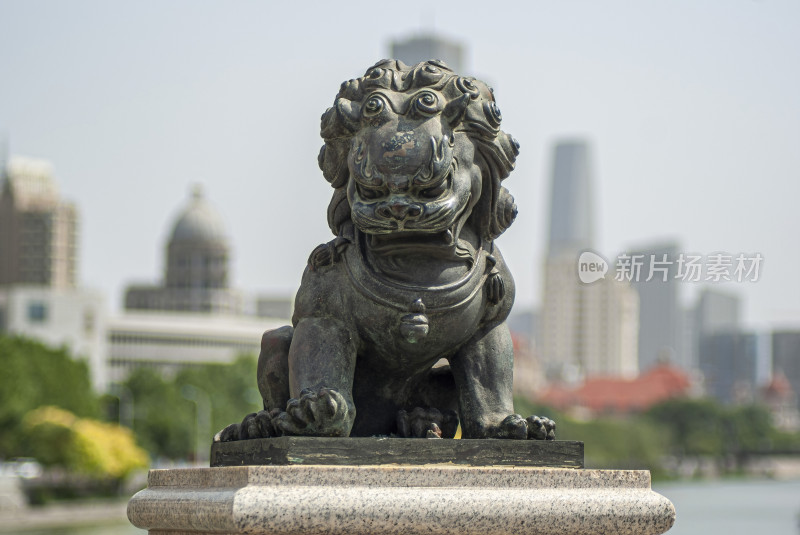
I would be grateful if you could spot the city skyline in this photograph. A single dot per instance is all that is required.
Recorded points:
(693, 131)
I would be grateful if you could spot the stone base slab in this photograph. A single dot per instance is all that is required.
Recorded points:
(399, 500)
(402, 451)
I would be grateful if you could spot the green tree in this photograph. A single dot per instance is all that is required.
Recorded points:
(165, 421)
(35, 375)
(748, 428)
(56, 437)
(232, 389)
(694, 426)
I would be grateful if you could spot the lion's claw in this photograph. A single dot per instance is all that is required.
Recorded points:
(229, 434)
(513, 427)
(516, 427)
(427, 423)
(254, 425)
(433, 432)
(541, 428)
(322, 413)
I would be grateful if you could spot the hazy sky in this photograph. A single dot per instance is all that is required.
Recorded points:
(692, 108)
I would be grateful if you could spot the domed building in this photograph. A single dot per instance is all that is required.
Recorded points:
(196, 266)
(193, 317)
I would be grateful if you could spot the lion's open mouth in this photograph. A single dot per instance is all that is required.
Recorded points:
(410, 242)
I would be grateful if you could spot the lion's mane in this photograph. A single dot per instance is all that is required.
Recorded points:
(478, 117)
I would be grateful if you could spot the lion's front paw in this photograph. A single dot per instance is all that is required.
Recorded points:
(514, 427)
(427, 423)
(519, 428)
(254, 425)
(541, 428)
(325, 413)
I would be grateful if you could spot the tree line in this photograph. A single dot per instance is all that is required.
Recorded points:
(49, 411)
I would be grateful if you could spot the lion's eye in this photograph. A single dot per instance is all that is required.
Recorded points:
(427, 103)
(373, 106)
(368, 193)
(433, 193)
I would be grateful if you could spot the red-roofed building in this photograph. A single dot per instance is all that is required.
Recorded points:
(528, 376)
(603, 395)
(781, 399)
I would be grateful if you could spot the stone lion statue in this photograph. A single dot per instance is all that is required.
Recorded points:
(416, 158)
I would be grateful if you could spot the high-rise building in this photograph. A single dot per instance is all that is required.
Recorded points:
(38, 230)
(717, 311)
(571, 205)
(729, 362)
(425, 47)
(39, 294)
(196, 266)
(585, 329)
(714, 312)
(661, 325)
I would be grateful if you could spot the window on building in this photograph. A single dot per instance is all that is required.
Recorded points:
(37, 312)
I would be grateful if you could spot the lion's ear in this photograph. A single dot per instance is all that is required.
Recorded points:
(341, 120)
(496, 210)
(332, 161)
(349, 112)
(505, 212)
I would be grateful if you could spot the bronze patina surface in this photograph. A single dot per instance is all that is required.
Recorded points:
(416, 159)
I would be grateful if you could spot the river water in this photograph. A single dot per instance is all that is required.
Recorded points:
(729, 507)
(734, 507)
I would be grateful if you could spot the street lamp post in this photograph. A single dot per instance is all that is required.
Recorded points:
(126, 407)
(202, 405)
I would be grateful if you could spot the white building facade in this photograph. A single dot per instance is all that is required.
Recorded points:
(168, 342)
(70, 317)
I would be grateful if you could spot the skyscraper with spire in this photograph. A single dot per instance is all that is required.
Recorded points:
(585, 329)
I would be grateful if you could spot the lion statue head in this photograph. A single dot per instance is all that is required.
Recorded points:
(418, 152)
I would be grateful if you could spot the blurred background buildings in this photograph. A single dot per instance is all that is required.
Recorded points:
(39, 295)
(193, 317)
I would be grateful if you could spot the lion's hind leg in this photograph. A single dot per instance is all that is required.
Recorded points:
(435, 403)
(427, 423)
(483, 374)
(273, 367)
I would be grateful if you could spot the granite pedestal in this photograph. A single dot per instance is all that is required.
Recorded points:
(392, 499)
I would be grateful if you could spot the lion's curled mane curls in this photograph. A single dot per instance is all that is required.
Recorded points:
(473, 110)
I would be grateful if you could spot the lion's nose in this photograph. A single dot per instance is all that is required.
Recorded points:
(399, 210)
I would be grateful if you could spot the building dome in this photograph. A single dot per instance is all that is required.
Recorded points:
(199, 221)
